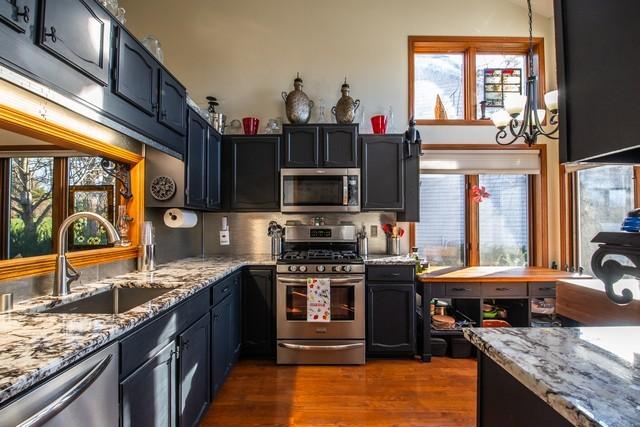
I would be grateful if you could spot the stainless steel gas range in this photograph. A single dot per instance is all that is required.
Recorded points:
(322, 252)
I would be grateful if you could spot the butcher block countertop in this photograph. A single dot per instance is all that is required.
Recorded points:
(585, 301)
(495, 274)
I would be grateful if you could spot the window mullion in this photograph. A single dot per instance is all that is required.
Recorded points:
(470, 83)
(5, 208)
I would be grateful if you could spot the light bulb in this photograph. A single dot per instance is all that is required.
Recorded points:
(500, 119)
(551, 101)
(514, 103)
(542, 113)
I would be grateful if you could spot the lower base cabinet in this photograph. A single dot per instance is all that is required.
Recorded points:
(258, 308)
(193, 388)
(221, 351)
(149, 393)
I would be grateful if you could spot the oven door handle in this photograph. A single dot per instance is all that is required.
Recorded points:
(321, 347)
(333, 281)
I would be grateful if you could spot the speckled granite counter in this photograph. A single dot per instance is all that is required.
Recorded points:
(585, 374)
(35, 345)
(388, 260)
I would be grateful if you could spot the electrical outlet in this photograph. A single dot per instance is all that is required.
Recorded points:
(374, 231)
(224, 238)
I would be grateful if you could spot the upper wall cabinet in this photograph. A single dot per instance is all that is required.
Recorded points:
(17, 14)
(78, 32)
(383, 173)
(136, 76)
(325, 145)
(173, 103)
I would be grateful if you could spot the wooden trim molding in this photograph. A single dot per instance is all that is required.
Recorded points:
(472, 224)
(567, 197)
(469, 47)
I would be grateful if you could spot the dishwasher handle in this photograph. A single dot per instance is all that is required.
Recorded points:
(54, 408)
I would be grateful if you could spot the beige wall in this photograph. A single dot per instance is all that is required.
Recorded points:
(246, 52)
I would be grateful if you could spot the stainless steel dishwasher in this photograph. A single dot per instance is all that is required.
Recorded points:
(83, 395)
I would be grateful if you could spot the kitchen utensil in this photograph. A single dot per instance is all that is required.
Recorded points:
(379, 124)
(363, 242)
(346, 107)
(250, 125)
(297, 103)
(443, 322)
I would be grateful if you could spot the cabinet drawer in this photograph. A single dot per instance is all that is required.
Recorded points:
(146, 342)
(504, 290)
(393, 273)
(542, 289)
(462, 290)
(222, 289)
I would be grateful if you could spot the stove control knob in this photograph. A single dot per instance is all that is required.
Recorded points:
(320, 268)
(336, 268)
(303, 268)
(293, 268)
(346, 268)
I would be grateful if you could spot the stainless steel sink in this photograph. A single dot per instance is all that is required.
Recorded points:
(114, 301)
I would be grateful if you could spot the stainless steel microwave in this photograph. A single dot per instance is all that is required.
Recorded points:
(320, 190)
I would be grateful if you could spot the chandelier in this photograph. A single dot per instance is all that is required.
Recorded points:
(521, 117)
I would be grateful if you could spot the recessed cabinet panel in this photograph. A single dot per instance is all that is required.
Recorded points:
(382, 173)
(220, 344)
(79, 33)
(18, 14)
(301, 146)
(196, 162)
(391, 326)
(194, 372)
(258, 318)
(137, 75)
(214, 194)
(173, 103)
(340, 148)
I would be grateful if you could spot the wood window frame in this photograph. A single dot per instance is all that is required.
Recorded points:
(36, 127)
(569, 256)
(538, 207)
(469, 47)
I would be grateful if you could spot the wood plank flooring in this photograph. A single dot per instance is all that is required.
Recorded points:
(381, 393)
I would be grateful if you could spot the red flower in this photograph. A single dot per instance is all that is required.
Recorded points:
(479, 194)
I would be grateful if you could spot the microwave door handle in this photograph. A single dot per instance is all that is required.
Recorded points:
(345, 190)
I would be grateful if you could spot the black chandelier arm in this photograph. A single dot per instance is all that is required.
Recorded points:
(611, 271)
(515, 129)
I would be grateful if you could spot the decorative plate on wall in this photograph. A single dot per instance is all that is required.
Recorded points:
(163, 188)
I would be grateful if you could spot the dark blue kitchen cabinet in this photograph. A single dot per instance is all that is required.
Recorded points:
(383, 173)
(391, 311)
(320, 146)
(301, 146)
(149, 394)
(196, 161)
(236, 318)
(136, 75)
(258, 313)
(172, 103)
(214, 185)
(221, 350)
(19, 15)
(78, 32)
(193, 386)
(252, 171)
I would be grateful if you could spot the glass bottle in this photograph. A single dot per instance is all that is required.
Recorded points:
(391, 123)
(123, 225)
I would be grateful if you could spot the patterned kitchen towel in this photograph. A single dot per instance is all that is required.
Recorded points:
(318, 300)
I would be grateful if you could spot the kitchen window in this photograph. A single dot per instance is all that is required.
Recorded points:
(482, 206)
(463, 80)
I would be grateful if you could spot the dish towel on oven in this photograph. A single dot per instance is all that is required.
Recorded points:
(318, 300)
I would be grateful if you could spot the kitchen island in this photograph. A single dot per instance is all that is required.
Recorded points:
(557, 376)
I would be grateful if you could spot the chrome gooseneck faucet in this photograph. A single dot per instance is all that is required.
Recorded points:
(65, 273)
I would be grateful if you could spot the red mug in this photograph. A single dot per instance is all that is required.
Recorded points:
(250, 125)
(379, 124)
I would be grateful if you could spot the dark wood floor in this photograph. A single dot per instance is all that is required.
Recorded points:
(381, 393)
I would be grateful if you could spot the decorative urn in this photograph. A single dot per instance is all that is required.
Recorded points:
(298, 104)
(346, 107)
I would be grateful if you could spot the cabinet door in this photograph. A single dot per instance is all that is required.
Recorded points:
(411, 211)
(194, 388)
(236, 317)
(214, 195)
(255, 174)
(382, 173)
(173, 103)
(148, 395)
(301, 147)
(220, 340)
(136, 79)
(79, 33)
(196, 161)
(391, 313)
(258, 316)
(17, 14)
(340, 147)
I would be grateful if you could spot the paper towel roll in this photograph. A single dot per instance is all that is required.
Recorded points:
(180, 218)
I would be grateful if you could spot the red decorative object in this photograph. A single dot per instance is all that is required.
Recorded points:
(479, 194)
(392, 230)
(250, 125)
(379, 124)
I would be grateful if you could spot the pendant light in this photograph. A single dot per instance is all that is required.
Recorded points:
(521, 117)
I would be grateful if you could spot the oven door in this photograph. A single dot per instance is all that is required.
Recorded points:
(320, 190)
(347, 308)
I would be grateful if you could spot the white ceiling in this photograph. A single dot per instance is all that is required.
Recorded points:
(542, 7)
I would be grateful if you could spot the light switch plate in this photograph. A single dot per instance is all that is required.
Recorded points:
(224, 238)
(374, 231)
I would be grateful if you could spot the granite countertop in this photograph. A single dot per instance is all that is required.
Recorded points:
(585, 374)
(389, 260)
(35, 345)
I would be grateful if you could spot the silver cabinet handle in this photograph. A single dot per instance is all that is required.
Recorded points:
(321, 347)
(58, 405)
(345, 190)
